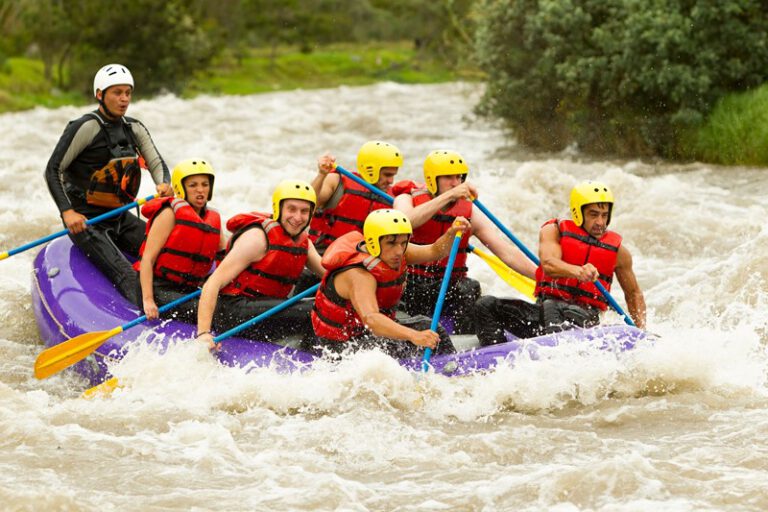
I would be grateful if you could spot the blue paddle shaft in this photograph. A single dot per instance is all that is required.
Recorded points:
(441, 296)
(163, 309)
(360, 181)
(507, 232)
(103, 216)
(288, 303)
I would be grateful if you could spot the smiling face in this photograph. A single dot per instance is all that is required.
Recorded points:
(393, 249)
(596, 218)
(197, 188)
(116, 99)
(294, 215)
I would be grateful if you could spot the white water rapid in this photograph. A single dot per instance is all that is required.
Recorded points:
(681, 425)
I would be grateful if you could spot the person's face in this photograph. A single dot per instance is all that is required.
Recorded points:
(294, 215)
(446, 183)
(386, 177)
(596, 217)
(196, 190)
(393, 249)
(116, 98)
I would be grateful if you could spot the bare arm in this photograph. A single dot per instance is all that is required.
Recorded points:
(441, 247)
(324, 183)
(313, 261)
(162, 225)
(632, 292)
(359, 287)
(418, 215)
(551, 255)
(250, 247)
(484, 230)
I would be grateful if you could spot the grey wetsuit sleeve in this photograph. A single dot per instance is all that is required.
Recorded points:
(76, 138)
(157, 167)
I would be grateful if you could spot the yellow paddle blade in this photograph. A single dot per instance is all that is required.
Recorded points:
(523, 284)
(102, 390)
(53, 360)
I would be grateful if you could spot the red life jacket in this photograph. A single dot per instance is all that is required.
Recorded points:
(433, 229)
(579, 248)
(188, 254)
(333, 317)
(275, 274)
(348, 215)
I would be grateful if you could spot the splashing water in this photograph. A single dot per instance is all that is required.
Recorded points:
(680, 424)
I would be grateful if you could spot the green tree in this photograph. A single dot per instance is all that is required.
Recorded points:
(616, 76)
(163, 43)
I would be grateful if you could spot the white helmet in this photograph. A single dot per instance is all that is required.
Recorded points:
(111, 74)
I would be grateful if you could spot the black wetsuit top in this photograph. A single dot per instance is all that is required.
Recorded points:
(87, 145)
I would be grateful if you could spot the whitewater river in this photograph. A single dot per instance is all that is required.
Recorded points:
(682, 425)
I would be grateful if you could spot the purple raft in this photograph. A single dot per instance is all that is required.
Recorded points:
(71, 297)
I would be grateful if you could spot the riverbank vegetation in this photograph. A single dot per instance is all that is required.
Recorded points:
(624, 77)
(677, 79)
(23, 84)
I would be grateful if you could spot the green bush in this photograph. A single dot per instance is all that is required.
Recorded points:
(628, 77)
(736, 132)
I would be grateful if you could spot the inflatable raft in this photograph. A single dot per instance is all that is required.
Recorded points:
(71, 297)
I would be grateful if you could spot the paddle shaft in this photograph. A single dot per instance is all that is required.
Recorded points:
(360, 181)
(162, 309)
(535, 260)
(441, 295)
(89, 222)
(284, 305)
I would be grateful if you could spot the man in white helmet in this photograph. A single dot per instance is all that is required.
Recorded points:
(96, 167)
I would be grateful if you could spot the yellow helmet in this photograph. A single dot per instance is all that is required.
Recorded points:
(189, 168)
(374, 155)
(589, 192)
(381, 223)
(293, 189)
(443, 163)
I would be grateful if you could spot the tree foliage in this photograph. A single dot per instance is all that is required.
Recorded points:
(165, 43)
(616, 76)
(162, 42)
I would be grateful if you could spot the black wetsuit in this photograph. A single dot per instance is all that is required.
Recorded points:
(87, 145)
(398, 349)
(233, 310)
(420, 298)
(493, 316)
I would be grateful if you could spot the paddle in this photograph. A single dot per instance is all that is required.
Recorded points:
(89, 222)
(109, 385)
(53, 360)
(441, 295)
(535, 260)
(519, 282)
